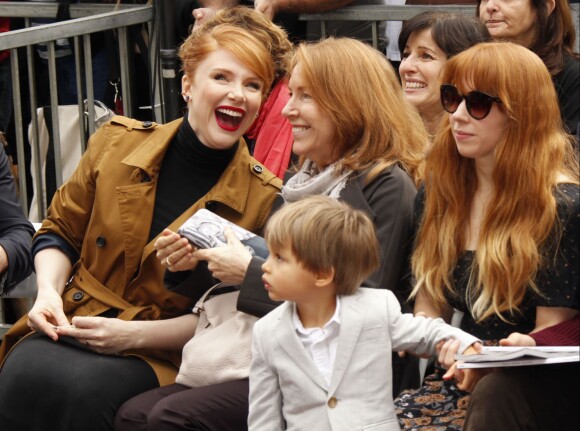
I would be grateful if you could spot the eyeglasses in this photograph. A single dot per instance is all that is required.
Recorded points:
(478, 104)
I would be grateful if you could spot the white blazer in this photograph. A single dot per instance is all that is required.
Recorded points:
(287, 391)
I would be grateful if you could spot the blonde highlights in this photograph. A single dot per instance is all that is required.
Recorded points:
(325, 234)
(360, 91)
(521, 214)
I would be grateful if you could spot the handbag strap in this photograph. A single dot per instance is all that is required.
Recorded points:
(198, 308)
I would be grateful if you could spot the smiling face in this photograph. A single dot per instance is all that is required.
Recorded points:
(477, 139)
(421, 65)
(225, 97)
(509, 19)
(314, 132)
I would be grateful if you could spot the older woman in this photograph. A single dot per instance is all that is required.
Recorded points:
(94, 255)
(497, 217)
(427, 41)
(546, 28)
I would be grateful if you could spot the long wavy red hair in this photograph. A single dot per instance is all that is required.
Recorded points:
(535, 155)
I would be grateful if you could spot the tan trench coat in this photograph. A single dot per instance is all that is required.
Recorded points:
(105, 209)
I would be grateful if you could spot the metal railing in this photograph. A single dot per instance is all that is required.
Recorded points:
(86, 19)
(377, 13)
(374, 14)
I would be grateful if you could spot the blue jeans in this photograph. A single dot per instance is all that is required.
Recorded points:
(67, 78)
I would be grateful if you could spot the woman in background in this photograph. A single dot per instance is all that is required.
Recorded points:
(546, 28)
(427, 41)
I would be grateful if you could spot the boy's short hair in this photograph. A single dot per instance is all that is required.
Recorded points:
(324, 234)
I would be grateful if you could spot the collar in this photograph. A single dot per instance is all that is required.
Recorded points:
(335, 319)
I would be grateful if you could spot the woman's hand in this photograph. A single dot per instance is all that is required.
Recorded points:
(467, 378)
(517, 339)
(175, 252)
(201, 15)
(103, 335)
(47, 312)
(228, 263)
(267, 7)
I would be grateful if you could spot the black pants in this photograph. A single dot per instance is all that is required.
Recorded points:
(47, 385)
(533, 398)
(221, 407)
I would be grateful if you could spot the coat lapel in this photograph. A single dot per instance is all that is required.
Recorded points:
(137, 200)
(286, 336)
(353, 313)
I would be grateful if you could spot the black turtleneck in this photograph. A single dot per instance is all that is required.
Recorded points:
(188, 171)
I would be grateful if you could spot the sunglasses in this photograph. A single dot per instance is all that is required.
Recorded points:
(478, 104)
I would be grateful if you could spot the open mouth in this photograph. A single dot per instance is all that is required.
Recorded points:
(229, 118)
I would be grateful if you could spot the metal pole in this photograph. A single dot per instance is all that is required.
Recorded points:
(169, 62)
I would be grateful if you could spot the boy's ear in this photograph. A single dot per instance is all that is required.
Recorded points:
(324, 277)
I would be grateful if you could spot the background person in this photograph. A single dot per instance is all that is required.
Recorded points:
(496, 233)
(546, 28)
(96, 261)
(426, 42)
(15, 231)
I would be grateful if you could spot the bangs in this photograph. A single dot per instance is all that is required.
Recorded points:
(472, 71)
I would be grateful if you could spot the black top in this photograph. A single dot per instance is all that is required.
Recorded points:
(558, 281)
(388, 201)
(189, 170)
(567, 84)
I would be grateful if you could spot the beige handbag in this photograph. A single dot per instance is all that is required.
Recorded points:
(220, 350)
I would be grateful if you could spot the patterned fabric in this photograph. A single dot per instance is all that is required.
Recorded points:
(437, 406)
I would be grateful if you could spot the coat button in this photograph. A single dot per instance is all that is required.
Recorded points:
(211, 205)
(147, 124)
(258, 169)
(101, 241)
(332, 402)
(77, 296)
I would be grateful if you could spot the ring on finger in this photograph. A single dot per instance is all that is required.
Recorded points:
(167, 261)
(87, 343)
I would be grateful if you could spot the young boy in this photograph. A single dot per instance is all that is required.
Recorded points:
(322, 360)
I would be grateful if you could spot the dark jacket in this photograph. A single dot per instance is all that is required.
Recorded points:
(388, 200)
(15, 231)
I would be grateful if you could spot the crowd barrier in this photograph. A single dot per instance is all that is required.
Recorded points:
(86, 19)
(378, 13)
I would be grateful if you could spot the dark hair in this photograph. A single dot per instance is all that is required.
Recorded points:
(554, 34)
(452, 32)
